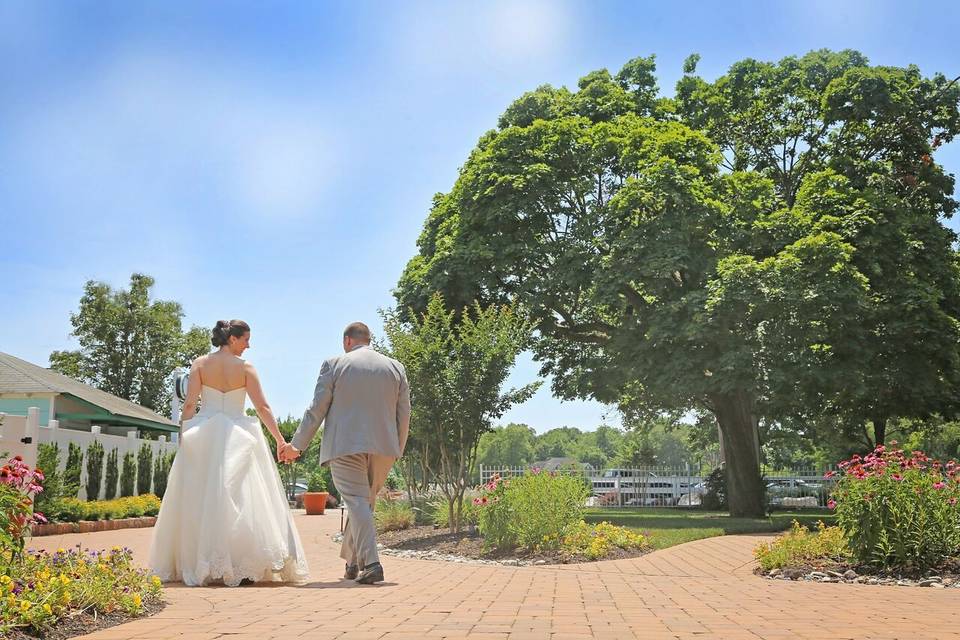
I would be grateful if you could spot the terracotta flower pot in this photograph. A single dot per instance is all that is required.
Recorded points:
(315, 503)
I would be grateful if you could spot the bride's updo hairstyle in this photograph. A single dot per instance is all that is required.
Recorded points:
(220, 335)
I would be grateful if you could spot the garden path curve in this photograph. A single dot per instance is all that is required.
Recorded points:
(702, 589)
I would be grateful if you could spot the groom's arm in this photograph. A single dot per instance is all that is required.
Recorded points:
(314, 416)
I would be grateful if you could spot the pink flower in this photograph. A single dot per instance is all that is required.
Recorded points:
(952, 501)
(829, 474)
(939, 485)
(897, 477)
(831, 504)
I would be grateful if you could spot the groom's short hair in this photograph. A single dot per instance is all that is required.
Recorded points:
(357, 331)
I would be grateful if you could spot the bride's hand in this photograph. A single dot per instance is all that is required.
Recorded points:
(281, 448)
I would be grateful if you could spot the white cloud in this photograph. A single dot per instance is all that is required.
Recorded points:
(161, 133)
(444, 38)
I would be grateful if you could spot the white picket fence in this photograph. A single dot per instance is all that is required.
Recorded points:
(15, 429)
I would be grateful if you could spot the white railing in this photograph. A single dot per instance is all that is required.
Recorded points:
(672, 486)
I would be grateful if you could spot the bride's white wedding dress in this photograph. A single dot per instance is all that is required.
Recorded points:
(224, 514)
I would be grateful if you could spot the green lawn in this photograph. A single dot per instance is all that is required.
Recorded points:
(667, 527)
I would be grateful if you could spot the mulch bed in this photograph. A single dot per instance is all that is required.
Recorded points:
(469, 545)
(83, 623)
(945, 576)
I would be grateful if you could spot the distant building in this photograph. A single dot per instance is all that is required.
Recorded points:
(73, 404)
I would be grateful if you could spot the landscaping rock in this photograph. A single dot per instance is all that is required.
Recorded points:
(776, 572)
(792, 574)
(927, 582)
(850, 574)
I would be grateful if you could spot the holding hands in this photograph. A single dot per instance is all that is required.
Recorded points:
(287, 453)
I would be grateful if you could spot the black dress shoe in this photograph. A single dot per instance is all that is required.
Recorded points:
(350, 573)
(371, 573)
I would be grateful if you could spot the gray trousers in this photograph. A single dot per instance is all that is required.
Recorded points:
(359, 477)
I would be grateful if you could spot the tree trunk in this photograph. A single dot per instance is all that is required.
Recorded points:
(879, 429)
(738, 426)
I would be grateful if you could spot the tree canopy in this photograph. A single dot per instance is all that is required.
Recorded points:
(767, 244)
(130, 344)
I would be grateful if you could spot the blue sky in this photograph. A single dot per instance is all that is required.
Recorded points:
(275, 161)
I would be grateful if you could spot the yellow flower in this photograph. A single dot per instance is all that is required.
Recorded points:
(64, 580)
(5, 580)
(137, 601)
(66, 597)
(156, 581)
(47, 609)
(61, 550)
(25, 605)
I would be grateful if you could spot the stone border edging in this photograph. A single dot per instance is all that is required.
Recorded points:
(90, 526)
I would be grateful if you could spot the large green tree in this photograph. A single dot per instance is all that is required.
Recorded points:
(457, 371)
(721, 251)
(508, 446)
(129, 344)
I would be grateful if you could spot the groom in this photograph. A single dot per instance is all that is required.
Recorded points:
(363, 400)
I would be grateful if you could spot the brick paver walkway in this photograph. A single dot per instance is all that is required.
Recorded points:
(703, 589)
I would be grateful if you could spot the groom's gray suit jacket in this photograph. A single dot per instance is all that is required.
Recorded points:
(363, 400)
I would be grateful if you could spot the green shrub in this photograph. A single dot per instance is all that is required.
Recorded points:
(317, 482)
(161, 473)
(715, 491)
(899, 511)
(440, 512)
(112, 475)
(67, 510)
(144, 469)
(71, 473)
(42, 589)
(800, 546)
(94, 469)
(533, 511)
(393, 515)
(128, 475)
(48, 462)
(595, 541)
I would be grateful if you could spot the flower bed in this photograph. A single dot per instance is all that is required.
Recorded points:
(899, 523)
(536, 518)
(66, 593)
(45, 590)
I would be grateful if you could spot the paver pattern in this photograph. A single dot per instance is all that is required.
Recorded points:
(703, 589)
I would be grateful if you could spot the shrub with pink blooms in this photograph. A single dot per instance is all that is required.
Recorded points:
(899, 510)
(18, 486)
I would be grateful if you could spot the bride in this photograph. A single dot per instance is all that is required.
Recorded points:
(224, 515)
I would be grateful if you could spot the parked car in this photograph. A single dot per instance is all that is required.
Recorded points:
(780, 488)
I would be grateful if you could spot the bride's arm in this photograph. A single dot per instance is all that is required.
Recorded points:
(193, 392)
(255, 392)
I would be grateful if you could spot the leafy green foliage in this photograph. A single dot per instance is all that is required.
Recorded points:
(715, 493)
(766, 245)
(534, 511)
(393, 515)
(161, 472)
(899, 510)
(456, 372)
(595, 541)
(94, 469)
(71, 473)
(800, 546)
(113, 475)
(129, 344)
(317, 482)
(128, 476)
(48, 462)
(144, 469)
